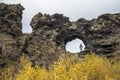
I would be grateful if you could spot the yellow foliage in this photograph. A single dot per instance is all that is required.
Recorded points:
(71, 68)
(67, 68)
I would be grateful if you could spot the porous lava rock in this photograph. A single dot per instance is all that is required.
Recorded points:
(101, 35)
(10, 30)
(10, 19)
(104, 34)
(51, 33)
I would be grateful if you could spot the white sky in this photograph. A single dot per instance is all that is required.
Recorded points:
(74, 9)
(74, 46)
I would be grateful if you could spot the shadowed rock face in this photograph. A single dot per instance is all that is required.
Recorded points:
(51, 33)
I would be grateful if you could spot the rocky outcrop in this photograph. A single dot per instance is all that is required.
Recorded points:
(10, 30)
(100, 35)
(51, 33)
(10, 19)
(104, 34)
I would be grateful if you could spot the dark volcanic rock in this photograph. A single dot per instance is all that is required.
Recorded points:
(10, 51)
(10, 19)
(105, 34)
(51, 33)
(101, 35)
(10, 30)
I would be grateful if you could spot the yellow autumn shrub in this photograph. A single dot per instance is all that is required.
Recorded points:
(68, 68)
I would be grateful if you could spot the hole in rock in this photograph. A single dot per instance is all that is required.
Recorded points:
(75, 46)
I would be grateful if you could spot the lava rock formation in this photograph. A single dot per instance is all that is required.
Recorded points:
(51, 33)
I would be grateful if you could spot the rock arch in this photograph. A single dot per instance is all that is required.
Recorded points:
(51, 32)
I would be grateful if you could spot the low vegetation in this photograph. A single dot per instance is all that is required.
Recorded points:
(92, 67)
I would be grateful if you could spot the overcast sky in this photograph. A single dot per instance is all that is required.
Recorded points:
(74, 9)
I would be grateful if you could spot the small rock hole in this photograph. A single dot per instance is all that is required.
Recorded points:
(75, 46)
